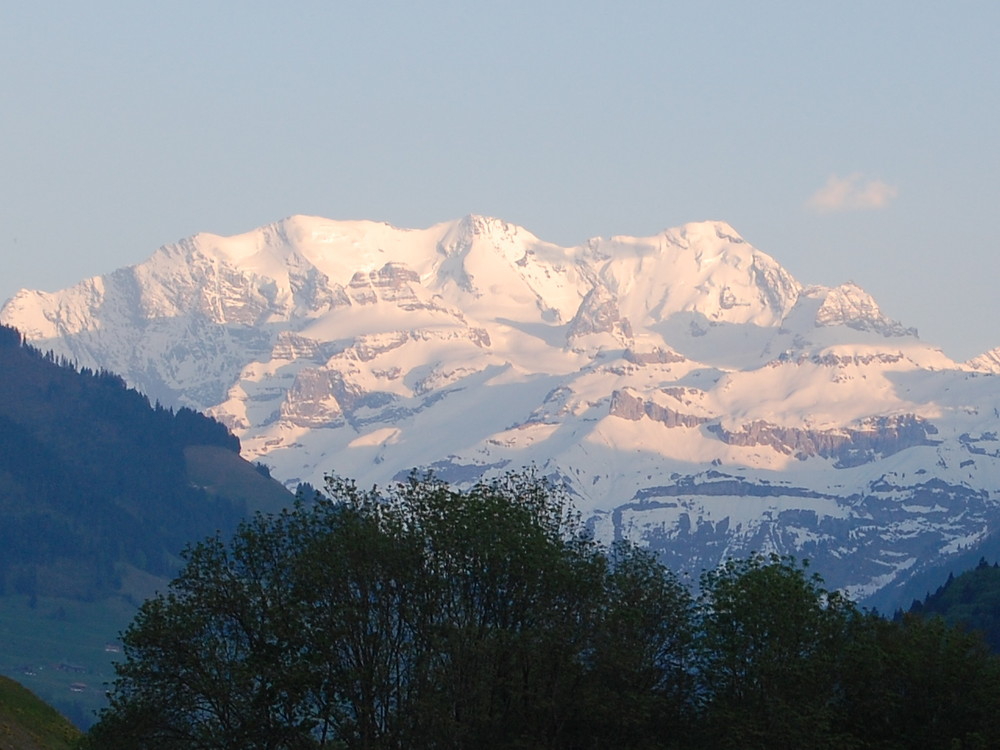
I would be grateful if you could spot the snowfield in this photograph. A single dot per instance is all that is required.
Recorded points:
(689, 392)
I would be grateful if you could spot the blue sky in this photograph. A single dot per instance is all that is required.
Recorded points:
(851, 141)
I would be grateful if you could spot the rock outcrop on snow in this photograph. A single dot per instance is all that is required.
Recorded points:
(688, 390)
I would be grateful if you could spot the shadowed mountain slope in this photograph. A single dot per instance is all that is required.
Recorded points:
(99, 493)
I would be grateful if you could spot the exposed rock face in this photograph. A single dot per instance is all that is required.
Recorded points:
(658, 356)
(849, 305)
(293, 347)
(391, 283)
(627, 405)
(688, 391)
(834, 360)
(988, 362)
(367, 348)
(312, 291)
(599, 313)
(872, 439)
(312, 400)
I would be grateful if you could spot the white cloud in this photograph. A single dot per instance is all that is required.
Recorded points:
(851, 193)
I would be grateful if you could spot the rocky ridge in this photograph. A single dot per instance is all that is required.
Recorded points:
(688, 390)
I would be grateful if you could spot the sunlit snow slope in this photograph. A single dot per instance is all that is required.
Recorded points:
(689, 391)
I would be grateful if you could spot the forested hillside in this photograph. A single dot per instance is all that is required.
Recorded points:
(92, 477)
(970, 600)
(100, 491)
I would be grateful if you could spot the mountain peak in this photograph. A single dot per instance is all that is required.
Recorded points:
(493, 229)
(623, 367)
(986, 362)
(481, 224)
(707, 230)
(850, 305)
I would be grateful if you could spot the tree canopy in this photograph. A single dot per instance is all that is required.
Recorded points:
(970, 600)
(421, 615)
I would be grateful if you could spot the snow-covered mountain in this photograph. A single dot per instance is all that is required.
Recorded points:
(690, 392)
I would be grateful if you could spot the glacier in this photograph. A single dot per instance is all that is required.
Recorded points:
(687, 390)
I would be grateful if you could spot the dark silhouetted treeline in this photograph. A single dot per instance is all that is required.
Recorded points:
(421, 616)
(970, 601)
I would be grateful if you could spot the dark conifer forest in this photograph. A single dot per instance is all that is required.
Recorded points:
(970, 601)
(100, 491)
(93, 477)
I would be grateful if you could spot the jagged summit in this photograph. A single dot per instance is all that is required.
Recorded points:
(698, 232)
(687, 388)
(851, 306)
(987, 362)
(703, 267)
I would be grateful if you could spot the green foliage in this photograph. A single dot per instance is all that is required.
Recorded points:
(416, 617)
(99, 493)
(915, 683)
(423, 616)
(770, 639)
(784, 663)
(29, 724)
(40, 638)
(972, 600)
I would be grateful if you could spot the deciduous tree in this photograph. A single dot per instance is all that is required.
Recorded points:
(414, 616)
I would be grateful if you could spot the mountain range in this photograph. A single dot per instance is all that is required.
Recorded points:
(689, 392)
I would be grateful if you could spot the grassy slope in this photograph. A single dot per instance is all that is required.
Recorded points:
(26, 723)
(53, 643)
(58, 648)
(222, 472)
(38, 643)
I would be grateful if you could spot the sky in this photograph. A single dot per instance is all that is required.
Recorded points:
(851, 141)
